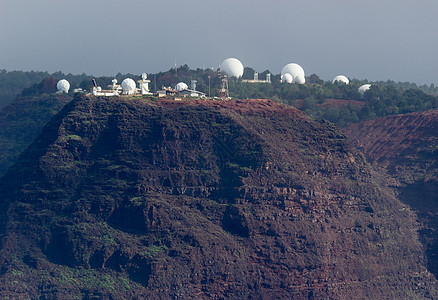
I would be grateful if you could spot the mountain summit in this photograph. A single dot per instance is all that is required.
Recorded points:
(128, 198)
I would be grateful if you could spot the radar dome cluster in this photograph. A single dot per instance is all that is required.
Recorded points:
(341, 78)
(63, 86)
(128, 86)
(232, 67)
(296, 71)
(287, 78)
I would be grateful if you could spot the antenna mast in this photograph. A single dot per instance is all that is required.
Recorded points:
(224, 90)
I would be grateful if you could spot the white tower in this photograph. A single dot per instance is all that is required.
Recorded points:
(144, 84)
(193, 85)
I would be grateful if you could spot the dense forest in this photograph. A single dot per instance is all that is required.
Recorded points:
(316, 97)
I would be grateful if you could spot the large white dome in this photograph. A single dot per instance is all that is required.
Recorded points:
(287, 78)
(341, 78)
(294, 70)
(181, 87)
(128, 86)
(300, 79)
(232, 67)
(363, 88)
(63, 86)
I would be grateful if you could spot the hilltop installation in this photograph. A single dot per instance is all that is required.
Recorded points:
(229, 68)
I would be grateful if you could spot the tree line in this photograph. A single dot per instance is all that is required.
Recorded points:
(382, 99)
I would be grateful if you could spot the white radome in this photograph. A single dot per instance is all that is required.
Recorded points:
(300, 79)
(363, 88)
(128, 86)
(63, 86)
(341, 78)
(293, 69)
(181, 86)
(287, 78)
(232, 67)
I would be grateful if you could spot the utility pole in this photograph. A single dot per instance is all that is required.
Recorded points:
(209, 86)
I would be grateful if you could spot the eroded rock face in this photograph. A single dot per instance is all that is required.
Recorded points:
(22, 121)
(202, 199)
(406, 146)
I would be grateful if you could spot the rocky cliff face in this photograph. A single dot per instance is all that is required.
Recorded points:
(22, 121)
(406, 146)
(122, 198)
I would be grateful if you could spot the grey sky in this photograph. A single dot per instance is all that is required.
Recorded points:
(377, 40)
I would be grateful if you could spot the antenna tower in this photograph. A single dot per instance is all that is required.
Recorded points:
(224, 90)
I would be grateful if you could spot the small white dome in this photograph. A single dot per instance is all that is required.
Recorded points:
(341, 78)
(63, 86)
(300, 79)
(294, 70)
(232, 67)
(363, 88)
(287, 78)
(128, 86)
(181, 86)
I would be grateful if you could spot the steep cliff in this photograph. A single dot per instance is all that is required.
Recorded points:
(406, 146)
(125, 197)
(22, 121)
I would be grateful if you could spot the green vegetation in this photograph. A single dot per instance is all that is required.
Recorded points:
(22, 121)
(159, 201)
(384, 98)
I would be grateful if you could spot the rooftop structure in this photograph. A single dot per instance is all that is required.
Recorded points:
(256, 79)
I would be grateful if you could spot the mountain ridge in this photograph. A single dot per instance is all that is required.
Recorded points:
(205, 199)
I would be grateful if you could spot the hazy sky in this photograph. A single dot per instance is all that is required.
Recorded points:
(375, 40)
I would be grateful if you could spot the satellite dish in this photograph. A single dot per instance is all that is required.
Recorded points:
(341, 78)
(63, 86)
(128, 86)
(232, 67)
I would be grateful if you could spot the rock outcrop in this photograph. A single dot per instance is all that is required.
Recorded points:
(131, 198)
(406, 147)
(22, 121)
